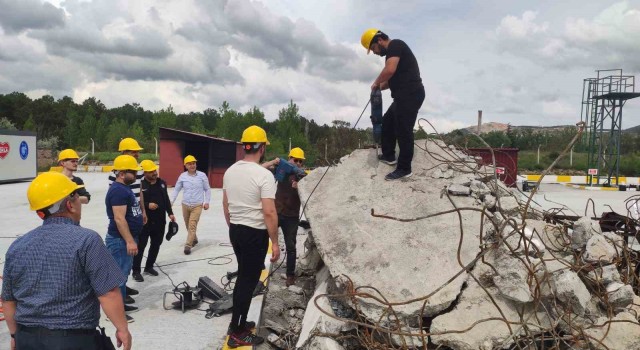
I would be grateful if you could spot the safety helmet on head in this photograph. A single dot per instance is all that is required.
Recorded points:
(67, 154)
(129, 144)
(126, 162)
(148, 165)
(367, 38)
(297, 153)
(189, 159)
(254, 134)
(48, 189)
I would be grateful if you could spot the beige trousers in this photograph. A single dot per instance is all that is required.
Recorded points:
(191, 217)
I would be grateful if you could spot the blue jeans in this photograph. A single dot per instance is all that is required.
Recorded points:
(118, 249)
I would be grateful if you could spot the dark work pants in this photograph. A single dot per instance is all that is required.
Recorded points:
(289, 227)
(31, 341)
(154, 230)
(397, 125)
(250, 246)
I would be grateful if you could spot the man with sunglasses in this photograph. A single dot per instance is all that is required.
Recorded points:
(68, 160)
(57, 276)
(401, 75)
(125, 218)
(288, 208)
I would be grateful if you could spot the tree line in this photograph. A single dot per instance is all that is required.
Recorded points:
(63, 124)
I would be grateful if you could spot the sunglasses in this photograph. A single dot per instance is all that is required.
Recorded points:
(299, 161)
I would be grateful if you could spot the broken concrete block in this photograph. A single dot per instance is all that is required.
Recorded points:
(276, 341)
(616, 240)
(512, 277)
(459, 190)
(381, 252)
(634, 307)
(508, 205)
(479, 189)
(464, 179)
(620, 334)
(605, 275)
(599, 251)
(314, 319)
(553, 236)
(295, 289)
(309, 263)
(322, 343)
(583, 229)
(489, 201)
(437, 173)
(622, 297)
(475, 305)
(570, 291)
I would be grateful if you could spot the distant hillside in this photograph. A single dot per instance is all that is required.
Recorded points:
(493, 126)
(633, 130)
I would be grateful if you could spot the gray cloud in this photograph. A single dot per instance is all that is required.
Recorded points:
(17, 16)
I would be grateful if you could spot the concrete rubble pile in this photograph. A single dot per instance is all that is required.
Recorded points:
(495, 273)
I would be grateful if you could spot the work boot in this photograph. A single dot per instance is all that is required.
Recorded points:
(137, 276)
(131, 291)
(245, 338)
(151, 271)
(248, 326)
(291, 280)
(387, 161)
(129, 300)
(187, 250)
(398, 174)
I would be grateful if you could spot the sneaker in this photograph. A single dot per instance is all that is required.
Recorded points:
(398, 174)
(129, 318)
(130, 308)
(151, 271)
(129, 300)
(244, 339)
(387, 161)
(131, 291)
(187, 250)
(137, 276)
(248, 326)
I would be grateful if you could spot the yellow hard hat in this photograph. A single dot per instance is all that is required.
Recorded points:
(129, 144)
(189, 159)
(67, 154)
(148, 165)
(367, 37)
(254, 134)
(48, 189)
(126, 162)
(297, 153)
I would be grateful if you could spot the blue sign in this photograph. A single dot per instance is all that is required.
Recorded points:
(24, 150)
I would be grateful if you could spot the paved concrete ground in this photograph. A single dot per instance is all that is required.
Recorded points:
(154, 328)
(576, 199)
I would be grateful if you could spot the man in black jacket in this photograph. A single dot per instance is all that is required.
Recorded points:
(402, 76)
(157, 205)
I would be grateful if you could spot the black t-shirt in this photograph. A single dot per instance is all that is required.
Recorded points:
(406, 80)
(82, 192)
(156, 193)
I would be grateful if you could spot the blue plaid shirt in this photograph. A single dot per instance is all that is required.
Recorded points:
(55, 274)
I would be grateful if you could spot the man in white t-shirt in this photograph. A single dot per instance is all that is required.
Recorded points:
(249, 192)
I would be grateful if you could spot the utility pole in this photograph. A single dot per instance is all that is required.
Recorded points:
(538, 154)
(156, 146)
(92, 146)
(326, 142)
(289, 144)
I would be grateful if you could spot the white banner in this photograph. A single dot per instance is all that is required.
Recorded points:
(18, 156)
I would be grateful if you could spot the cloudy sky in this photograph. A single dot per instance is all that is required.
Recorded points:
(521, 62)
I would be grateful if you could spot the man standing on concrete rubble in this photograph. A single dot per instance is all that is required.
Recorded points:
(157, 206)
(125, 219)
(401, 74)
(68, 160)
(288, 208)
(131, 147)
(58, 275)
(248, 201)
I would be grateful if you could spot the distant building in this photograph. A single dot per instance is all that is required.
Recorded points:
(215, 155)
